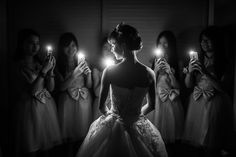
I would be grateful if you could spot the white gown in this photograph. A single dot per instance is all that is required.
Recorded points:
(124, 132)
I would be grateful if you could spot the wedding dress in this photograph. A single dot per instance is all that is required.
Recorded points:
(124, 131)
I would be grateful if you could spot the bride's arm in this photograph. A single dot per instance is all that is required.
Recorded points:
(151, 98)
(105, 84)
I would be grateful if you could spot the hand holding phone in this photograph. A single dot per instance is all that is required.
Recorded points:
(193, 55)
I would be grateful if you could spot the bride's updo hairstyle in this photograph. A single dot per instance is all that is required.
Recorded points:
(126, 34)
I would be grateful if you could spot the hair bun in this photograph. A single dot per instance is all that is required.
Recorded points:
(127, 34)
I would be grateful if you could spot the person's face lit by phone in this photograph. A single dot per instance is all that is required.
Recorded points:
(71, 49)
(164, 46)
(31, 45)
(163, 43)
(206, 44)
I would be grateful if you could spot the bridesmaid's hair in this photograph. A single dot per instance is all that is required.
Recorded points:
(214, 34)
(64, 41)
(23, 35)
(173, 56)
(170, 37)
(127, 34)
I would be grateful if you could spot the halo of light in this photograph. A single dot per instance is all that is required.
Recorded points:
(49, 48)
(80, 55)
(158, 52)
(109, 62)
(191, 52)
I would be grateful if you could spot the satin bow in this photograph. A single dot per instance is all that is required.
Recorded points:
(76, 93)
(168, 93)
(42, 95)
(206, 93)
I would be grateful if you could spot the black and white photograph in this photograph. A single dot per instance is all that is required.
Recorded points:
(118, 78)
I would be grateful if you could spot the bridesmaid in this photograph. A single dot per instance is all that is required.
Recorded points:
(38, 128)
(73, 80)
(208, 125)
(168, 115)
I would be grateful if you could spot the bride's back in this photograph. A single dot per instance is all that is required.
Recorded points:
(129, 85)
(130, 75)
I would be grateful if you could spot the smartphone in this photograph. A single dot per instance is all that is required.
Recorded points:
(80, 57)
(49, 50)
(193, 55)
(159, 53)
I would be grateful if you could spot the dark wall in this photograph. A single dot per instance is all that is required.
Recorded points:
(225, 17)
(3, 75)
(185, 18)
(91, 18)
(52, 18)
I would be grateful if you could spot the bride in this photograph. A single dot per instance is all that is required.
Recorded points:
(124, 130)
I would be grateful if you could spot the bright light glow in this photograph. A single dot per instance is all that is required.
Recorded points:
(49, 48)
(80, 56)
(109, 62)
(193, 54)
(158, 52)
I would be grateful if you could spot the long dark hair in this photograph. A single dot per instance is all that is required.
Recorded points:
(64, 41)
(23, 35)
(172, 56)
(215, 34)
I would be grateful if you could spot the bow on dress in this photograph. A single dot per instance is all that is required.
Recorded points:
(76, 93)
(42, 96)
(165, 93)
(206, 93)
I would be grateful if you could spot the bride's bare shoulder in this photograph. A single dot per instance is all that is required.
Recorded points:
(147, 69)
(148, 72)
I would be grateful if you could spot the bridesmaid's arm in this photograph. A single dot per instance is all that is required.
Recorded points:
(189, 80)
(174, 82)
(105, 84)
(151, 96)
(66, 83)
(89, 80)
(96, 80)
(216, 84)
(36, 82)
(78, 71)
(50, 82)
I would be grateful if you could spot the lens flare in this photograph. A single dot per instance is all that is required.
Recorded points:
(80, 55)
(193, 54)
(159, 52)
(49, 49)
(109, 62)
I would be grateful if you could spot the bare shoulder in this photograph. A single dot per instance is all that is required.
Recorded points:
(150, 73)
(107, 72)
(148, 70)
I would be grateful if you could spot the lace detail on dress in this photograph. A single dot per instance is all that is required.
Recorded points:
(149, 134)
(100, 123)
(127, 102)
(125, 124)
